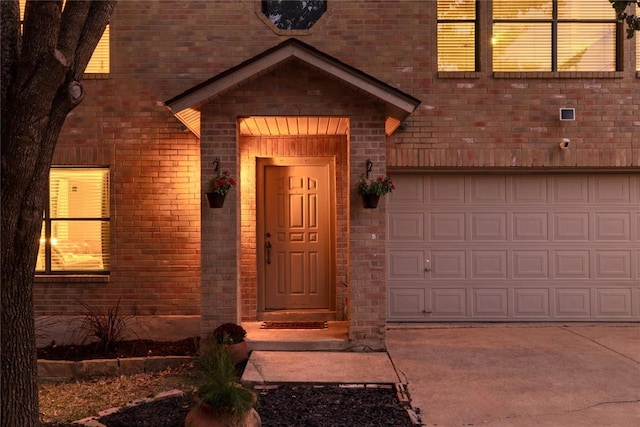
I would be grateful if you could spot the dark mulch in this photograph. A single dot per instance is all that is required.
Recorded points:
(284, 405)
(121, 349)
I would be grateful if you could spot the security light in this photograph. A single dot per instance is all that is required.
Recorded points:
(567, 114)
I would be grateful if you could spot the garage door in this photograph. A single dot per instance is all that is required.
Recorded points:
(514, 247)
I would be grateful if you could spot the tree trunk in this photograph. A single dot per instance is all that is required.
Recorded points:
(40, 86)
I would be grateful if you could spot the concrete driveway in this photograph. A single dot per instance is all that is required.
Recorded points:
(517, 375)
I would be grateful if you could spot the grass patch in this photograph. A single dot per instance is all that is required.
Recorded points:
(71, 401)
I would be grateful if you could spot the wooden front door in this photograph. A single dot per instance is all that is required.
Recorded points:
(295, 234)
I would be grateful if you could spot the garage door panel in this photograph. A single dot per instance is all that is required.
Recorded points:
(573, 303)
(407, 303)
(530, 226)
(531, 264)
(489, 264)
(448, 264)
(613, 303)
(611, 189)
(569, 190)
(571, 264)
(488, 189)
(612, 226)
(613, 264)
(447, 226)
(404, 264)
(571, 226)
(449, 303)
(408, 191)
(407, 226)
(488, 226)
(446, 190)
(490, 303)
(505, 247)
(531, 303)
(529, 190)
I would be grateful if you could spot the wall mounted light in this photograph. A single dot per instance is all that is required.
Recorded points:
(216, 166)
(369, 167)
(567, 114)
(565, 143)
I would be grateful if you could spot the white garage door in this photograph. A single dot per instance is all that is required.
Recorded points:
(514, 247)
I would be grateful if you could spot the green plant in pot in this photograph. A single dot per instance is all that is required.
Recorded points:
(370, 191)
(218, 188)
(222, 401)
(233, 336)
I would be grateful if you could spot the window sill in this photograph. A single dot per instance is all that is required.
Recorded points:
(459, 75)
(96, 76)
(559, 75)
(72, 278)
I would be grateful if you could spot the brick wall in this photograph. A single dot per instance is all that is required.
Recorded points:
(466, 120)
(361, 262)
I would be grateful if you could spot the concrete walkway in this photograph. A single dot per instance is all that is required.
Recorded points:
(490, 375)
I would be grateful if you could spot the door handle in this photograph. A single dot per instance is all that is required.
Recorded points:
(427, 265)
(268, 247)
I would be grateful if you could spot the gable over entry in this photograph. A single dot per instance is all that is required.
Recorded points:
(187, 106)
(294, 123)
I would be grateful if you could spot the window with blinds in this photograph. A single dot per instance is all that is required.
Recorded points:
(457, 35)
(554, 35)
(75, 228)
(99, 62)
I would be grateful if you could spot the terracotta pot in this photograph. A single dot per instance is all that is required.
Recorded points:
(203, 415)
(215, 200)
(370, 201)
(239, 352)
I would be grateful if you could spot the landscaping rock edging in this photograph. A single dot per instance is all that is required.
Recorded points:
(57, 370)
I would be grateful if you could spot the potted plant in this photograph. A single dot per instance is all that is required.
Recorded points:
(233, 336)
(219, 186)
(221, 400)
(371, 191)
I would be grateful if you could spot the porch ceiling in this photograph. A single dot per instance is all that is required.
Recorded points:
(186, 106)
(275, 126)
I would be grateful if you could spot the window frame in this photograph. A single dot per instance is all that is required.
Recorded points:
(47, 221)
(477, 39)
(554, 21)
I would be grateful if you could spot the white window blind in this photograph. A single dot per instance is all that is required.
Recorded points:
(456, 35)
(533, 35)
(75, 234)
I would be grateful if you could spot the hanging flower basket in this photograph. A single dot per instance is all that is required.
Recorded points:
(371, 191)
(215, 200)
(370, 201)
(219, 186)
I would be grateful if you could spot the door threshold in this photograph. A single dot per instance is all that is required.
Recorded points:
(297, 315)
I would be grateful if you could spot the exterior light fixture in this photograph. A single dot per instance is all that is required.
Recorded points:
(567, 114)
(369, 167)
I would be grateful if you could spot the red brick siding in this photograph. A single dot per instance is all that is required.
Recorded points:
(470, 120)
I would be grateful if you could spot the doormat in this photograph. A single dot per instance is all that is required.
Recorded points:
(294, 325)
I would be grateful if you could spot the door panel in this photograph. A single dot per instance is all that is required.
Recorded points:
(297, 236)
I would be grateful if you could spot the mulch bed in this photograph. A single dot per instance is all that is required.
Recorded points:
(121, 349)
(283, 405)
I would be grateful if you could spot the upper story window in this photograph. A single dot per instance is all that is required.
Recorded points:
(75, 227)
(554, 35)
(99, 63)
(293, 14)
(457, 35)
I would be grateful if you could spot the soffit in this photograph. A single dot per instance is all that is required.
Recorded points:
(186, 106)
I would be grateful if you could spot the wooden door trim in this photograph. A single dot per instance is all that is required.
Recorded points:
(261, 164)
